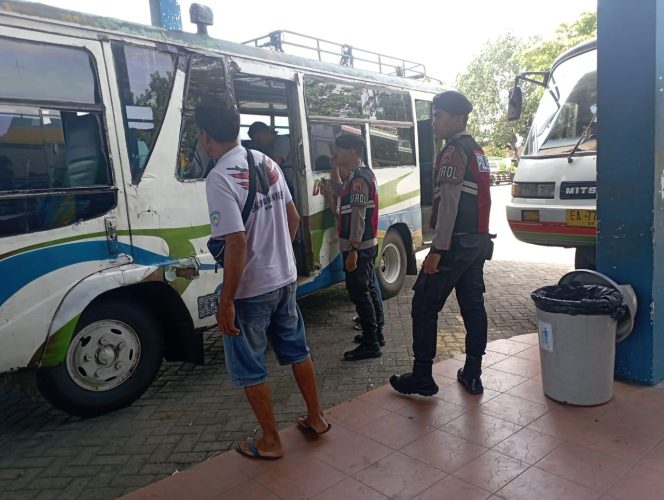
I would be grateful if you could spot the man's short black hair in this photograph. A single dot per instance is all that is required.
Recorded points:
(351, 141)
(219, 119)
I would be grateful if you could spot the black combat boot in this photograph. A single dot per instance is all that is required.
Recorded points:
(420, 381)
(368, 348)
(381, 338)
(469, 375)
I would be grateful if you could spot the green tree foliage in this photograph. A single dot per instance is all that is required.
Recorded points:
(491, 74)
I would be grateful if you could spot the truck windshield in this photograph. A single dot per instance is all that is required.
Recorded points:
(567, 109)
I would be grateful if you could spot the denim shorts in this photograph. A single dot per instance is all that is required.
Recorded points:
(273, 317)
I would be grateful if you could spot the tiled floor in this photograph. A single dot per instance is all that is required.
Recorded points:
(510, 443)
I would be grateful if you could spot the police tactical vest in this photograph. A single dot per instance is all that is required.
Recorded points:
(345, 197)
(475, 200)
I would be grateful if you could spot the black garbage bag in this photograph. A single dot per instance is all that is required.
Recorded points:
(591, 300)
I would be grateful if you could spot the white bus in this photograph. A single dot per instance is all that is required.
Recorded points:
(103, 214)
(554, 190)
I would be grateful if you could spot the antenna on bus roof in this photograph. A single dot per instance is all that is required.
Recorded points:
(340, 53)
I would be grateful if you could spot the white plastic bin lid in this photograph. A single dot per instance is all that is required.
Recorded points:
(588, 277)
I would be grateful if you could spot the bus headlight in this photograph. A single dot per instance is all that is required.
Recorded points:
(533, 189)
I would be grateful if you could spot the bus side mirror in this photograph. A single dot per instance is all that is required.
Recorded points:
(515, 104)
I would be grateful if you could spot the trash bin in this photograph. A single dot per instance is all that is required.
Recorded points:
(578, 320)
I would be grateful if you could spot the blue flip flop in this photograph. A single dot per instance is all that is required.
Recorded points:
(255, 454)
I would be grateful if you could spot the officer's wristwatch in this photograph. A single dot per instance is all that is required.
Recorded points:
(353, 249)
(438, 251)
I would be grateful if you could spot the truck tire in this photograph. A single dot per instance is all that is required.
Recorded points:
(392, 266)
(114, 355)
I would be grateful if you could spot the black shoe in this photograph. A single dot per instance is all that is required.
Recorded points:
(472, 384)
(356, 320)
(410, 384)
(363, 351)
(381, 339)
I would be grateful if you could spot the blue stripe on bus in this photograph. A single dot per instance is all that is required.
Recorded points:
(19, 270)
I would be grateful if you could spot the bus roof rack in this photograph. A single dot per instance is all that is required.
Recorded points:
(342, 54)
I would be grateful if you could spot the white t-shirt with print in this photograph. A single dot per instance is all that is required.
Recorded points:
(270, 259)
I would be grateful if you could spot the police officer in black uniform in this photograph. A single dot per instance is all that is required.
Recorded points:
(460, 217)
(358, 226)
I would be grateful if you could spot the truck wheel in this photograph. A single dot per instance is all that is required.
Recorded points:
(114, 355)
(392, 266)
(585, 258)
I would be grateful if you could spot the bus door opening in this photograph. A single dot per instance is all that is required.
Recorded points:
(427, 156)
(266, 103)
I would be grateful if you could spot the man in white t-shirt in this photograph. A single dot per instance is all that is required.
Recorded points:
(257, 302)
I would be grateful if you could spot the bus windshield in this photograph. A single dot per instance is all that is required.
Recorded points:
(567, 109)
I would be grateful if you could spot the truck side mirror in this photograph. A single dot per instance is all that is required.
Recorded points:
(515, 104)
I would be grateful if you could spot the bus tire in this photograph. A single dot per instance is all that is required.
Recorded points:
(391, 269)
(585, 258)
(114, 355)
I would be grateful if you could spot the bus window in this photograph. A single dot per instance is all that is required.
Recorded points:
(54, 169)
(391, 146)
(45, 150)
(145, 80)
(321, 136)
(44, 72)
(206, 80)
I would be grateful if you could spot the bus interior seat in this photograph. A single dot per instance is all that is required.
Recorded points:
(85, 159)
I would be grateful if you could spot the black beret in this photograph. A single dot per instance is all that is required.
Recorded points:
(455, 103)
(350, 141)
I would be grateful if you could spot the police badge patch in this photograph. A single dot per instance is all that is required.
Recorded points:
(215, 217)
(482, 163)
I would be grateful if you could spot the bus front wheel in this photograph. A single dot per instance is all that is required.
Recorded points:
(393, 263)
(114, 355)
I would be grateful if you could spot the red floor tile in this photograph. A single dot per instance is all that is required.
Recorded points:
(560, 426)
(395, 431)
(249, 490)
(349, 489)
(504, 346)
(584, 466)
(535, 484)
(481, 429)
(519, 366)
(433, 412)
(386, 398)
(399, 476)
(640, 483)
(300, 478)
(532, 353)
(529, 338)
(620, 443)
(654, 459)
(351, 452)
(444, 451)
(448, 368)
(491, 471)
(208, 479)
(528, 446)
(355, 414)
(457, 395)
(629, 414)
(452, 488)
(516, 410)
(531, 390)
(500, 381)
